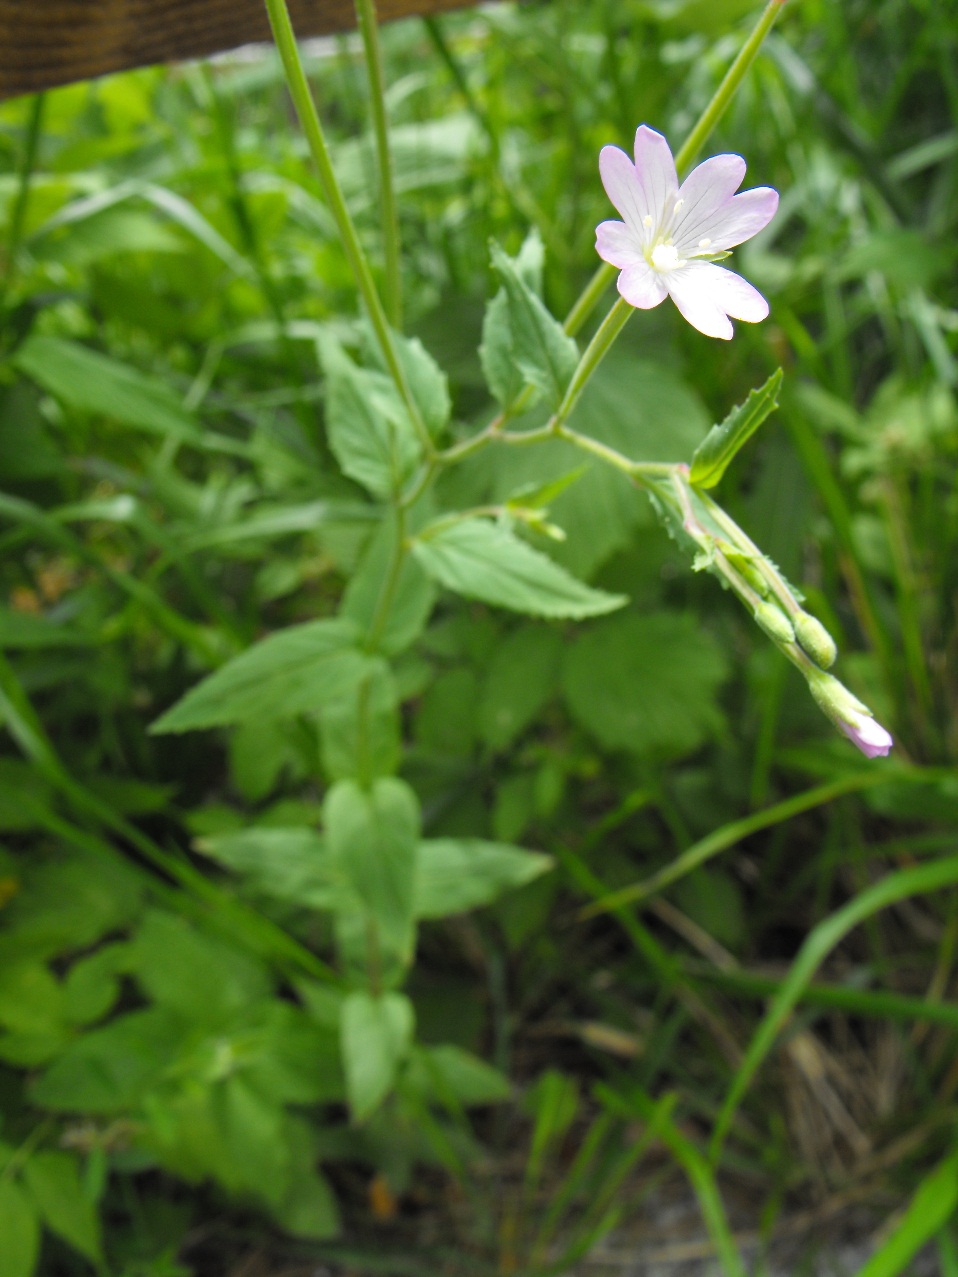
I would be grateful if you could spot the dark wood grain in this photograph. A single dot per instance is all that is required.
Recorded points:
(44, 43)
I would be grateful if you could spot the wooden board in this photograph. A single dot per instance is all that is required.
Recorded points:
(44, 43)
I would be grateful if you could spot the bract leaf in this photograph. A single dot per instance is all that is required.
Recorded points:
(713, 455)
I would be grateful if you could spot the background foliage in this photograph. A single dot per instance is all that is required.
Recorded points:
(186, 1067)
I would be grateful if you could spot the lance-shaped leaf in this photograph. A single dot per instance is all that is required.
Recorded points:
(537, 344)
(456, 874)
(372, 835)
(293, 672)
(486, 561)
(496, 354)
(369, 428)
(715, 452)
(376, 1034)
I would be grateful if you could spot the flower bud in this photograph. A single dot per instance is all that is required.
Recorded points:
(815, 639)
(775, 623)
(849, 715)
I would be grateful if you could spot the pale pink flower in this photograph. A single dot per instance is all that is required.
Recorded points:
(870, 737)
(671, 235)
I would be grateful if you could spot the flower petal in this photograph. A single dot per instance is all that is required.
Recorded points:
(617, 245)
(623, 189)
(740, 218)
(731, 292)
(705, 191)
(641, 286)
(696, 303)
(706, 294)
(655, 171)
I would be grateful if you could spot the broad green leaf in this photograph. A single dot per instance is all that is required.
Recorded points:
(931, 1207)
(196, 975)
(31, 1000)
(646, 684)
(376, 1034)
(253, 1132)
(296, 671)
(108, 1069)
(523, 675)
(456, 874)
(53, 1180)
(288, 864)
(716, 451)
(502, 373)
(361, 732)
(486, 561)
(19, 1231)
(308, 1208)
(445, 724)
(92, 984)
(372, 835)
(448, 1073)
(86, 380)
(412, 598)
(369, 429)
(544, 353)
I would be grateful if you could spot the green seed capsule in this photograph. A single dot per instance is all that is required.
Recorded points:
(815, 639)
(775, 623)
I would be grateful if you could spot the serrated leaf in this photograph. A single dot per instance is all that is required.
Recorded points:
(501, 371)
(372, 835)
(369, 429)
(456, 874)
(486, 561)
(19, 1231)
(521, 332)
(376, 1034)
(716, 451)
(646, 684)
(53, 1180)
(296, 671)
(427, 383)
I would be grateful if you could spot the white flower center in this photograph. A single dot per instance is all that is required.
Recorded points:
(665, 257)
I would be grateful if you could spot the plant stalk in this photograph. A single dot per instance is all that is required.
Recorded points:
(369, 29)
(299, 90)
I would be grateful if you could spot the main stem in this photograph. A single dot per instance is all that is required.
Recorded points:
(369, 29)
(309, 119)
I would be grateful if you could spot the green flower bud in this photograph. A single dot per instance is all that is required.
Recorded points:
(849, 715)
(815, 639)
(775, 623)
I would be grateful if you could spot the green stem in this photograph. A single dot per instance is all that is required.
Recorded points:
(391, 583)
(309, 119)
(369, 29)
(592, 356)
(18, 217)
(726, 90)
